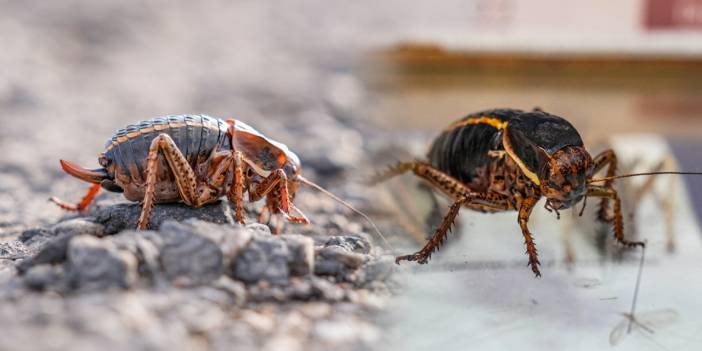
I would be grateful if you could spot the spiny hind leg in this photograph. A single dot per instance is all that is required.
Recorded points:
(83, 204)
(607, 159)
(439, 236)
(473, 200)
(618, 221)
(393, 171)
(164, 146)
(434, 176)
(236, 191)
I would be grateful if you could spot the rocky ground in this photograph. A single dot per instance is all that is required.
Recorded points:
(195, 283)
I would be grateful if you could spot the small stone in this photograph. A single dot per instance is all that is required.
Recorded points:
(235, 240)
(188, 257)
(327, 290)
(52, 251)
(236, 290)
(97, 264)
(42, 277)
(337, 261)
(123, 216)
(143, 245)
(34, 236)
(201, 317)
(301, 254)
(299, 289)
(78, 226)
(259, 228)
(13, 249)
(350, 243)
(265, 258)
(376, 270)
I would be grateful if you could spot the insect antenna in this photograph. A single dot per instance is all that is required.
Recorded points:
(593, 180)
(636, 290)
(309, 183)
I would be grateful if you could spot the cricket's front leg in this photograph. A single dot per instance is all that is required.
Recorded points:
(618, 222)
(524, 212)
(277, 180)
(607, 159)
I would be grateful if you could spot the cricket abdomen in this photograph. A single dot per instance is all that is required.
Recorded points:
(195, 135)
(467, 147)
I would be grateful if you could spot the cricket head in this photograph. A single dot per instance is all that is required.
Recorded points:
(564, 176)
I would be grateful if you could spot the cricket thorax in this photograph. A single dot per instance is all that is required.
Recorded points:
(506, 177)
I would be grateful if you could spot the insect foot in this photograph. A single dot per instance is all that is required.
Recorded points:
(418, 257)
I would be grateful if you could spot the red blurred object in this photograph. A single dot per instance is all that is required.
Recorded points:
(673, 15)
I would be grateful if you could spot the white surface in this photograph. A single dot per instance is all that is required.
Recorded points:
(507, 308)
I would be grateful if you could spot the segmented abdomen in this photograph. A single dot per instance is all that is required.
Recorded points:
(195, 135)
(462, 150)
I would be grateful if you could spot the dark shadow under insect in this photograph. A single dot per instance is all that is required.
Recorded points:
(506, 160)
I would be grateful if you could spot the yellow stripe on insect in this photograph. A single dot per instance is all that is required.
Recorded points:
(510, 151)
(491, 121)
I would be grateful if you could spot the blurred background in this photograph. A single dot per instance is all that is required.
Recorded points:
(352, 86)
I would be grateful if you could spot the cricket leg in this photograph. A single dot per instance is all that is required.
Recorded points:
(607, 159)
(439, 236)
(83, 204)
(278, 181)
(434, 176)
(618, 222)
(392, 171)
(473, 200)
(164, 146)
(236, 191)
(524, 212)
(262, 215)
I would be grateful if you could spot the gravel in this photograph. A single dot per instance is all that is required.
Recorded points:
(192, 281)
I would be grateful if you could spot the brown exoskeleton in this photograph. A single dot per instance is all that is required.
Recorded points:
(197, 159)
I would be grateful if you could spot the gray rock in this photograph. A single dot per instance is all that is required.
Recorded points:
(351, 243)
(43, 277)
(235, 289)
(326, 290)
(300, 289)
(97, 264)
(123, 216)
(259, 228)
(265, 258)
(337, 261)
(301, 254)
(144, 246)
(376, 270)
(51, 252)
(78, 226)
(35, 236)
(188, 256)
(13, 249)
(234, 241)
